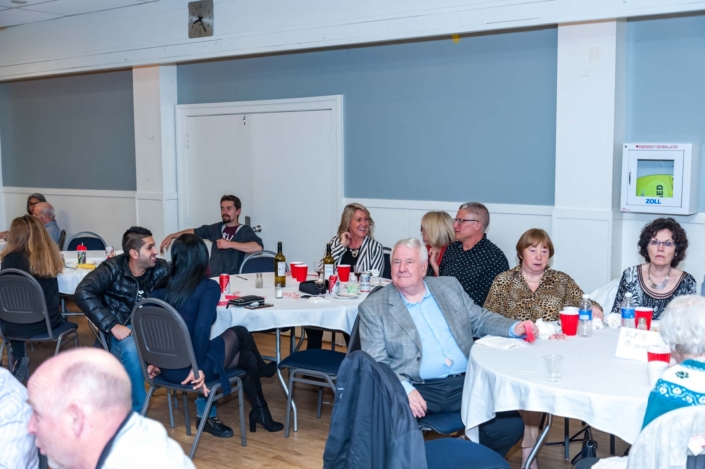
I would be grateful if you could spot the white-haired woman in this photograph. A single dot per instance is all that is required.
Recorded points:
(682, 328)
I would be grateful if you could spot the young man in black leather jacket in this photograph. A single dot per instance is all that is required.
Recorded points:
(107, 295)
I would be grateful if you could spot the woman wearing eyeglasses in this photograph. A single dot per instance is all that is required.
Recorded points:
(437, 233)
(656, 282)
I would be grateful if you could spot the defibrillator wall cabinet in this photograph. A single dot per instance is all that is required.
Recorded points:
(660, 178)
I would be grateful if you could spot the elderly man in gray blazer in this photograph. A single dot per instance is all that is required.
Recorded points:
(423, 329)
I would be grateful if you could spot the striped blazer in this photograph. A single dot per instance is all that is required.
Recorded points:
(371, 255)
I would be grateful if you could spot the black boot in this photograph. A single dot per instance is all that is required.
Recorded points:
(246, 341)
(260, 414)
(216, 428)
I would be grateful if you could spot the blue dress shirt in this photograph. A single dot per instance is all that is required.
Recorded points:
(441, 356)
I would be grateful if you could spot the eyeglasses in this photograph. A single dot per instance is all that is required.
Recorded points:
(460, 220)
(666, 244)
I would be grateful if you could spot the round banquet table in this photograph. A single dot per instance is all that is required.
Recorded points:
(330, 313)
(71, 276)
(326, 313)
(608, 393)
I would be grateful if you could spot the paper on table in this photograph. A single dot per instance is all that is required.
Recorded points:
(503, 343)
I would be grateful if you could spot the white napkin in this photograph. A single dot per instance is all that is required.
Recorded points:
(597, 324)
(547, 329)
(318, 299)
(614, 320)
(503, 343)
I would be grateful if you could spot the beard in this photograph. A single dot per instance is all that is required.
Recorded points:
(226, 219)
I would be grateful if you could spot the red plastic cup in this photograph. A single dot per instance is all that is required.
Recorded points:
(344, 272)
(658, 353)
(292, 268)
(301, 272)
(569, 322)
(644, 312)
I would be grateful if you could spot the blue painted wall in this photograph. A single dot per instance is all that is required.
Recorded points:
(69, 132)
(666, 82)
(424, 120)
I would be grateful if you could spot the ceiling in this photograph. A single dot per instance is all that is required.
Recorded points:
(32, 11)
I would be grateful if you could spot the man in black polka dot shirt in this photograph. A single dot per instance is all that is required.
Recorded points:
(473, 259)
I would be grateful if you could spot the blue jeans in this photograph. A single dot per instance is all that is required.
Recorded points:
(126, 351)
(201, 406)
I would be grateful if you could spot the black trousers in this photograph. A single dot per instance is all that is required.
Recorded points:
(446, 395)
(315, 338)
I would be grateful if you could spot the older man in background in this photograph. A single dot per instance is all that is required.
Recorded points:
(473, 259)
(45, 213)
(423, 329)
(83, 417)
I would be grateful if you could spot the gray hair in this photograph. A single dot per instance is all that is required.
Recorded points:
(89, 383)
(480, 211)
(683, 325)
(46, 209)
(411, 243)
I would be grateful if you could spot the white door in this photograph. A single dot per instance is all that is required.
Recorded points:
(282, 158)
(294, 182)
(218, 162)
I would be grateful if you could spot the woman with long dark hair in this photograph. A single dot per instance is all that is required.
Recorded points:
(196, 297)
(30, 249)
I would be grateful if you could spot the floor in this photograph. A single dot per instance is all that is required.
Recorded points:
(303, 449)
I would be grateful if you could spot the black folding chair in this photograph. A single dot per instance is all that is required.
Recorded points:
(22, 302)
(319, 363)
(163, 340)
(92, 241)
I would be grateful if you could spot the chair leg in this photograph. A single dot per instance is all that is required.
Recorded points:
(241, 409)
(332, 340)
(566, 438)
(612, 442)
(10, 359)
(2, 349)
(320, 402)
(186, 417)
(175, 397)
(171, 411)
(75, 338)
(145, 406)
(204, 418)
(289, 398)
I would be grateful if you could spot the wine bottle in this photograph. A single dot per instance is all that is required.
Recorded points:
(280, 266)
(328, 263)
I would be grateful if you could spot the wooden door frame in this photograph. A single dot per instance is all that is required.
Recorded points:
(332, 103)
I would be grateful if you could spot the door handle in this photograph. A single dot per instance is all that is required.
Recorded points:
(257, 228)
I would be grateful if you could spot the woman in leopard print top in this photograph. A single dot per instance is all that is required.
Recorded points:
(534, 291)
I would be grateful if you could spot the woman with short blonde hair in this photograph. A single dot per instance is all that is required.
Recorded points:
(30, 249)
(437, 233)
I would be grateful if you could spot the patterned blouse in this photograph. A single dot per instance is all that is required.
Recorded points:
(633, 281)
(511, 296)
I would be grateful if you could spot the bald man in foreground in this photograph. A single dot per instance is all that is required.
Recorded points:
(83, 417)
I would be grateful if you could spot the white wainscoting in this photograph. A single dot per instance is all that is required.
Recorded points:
(108, 213)
(398, 219)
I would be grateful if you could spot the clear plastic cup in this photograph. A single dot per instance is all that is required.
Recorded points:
(554, 363)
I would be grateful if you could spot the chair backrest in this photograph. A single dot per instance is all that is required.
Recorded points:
(22, 299)
(354, 343)
(387, 271)
(161, 337)
(262, 261)
(90, 240)
(606, 294)
(62, 240)
(98, 334)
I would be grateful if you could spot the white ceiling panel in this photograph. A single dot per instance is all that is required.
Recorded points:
(9, 4)
(15, 16)
(79, 7)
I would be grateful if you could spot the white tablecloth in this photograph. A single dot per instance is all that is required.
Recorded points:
(608, 393)
(332, 314)
(70, 278)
